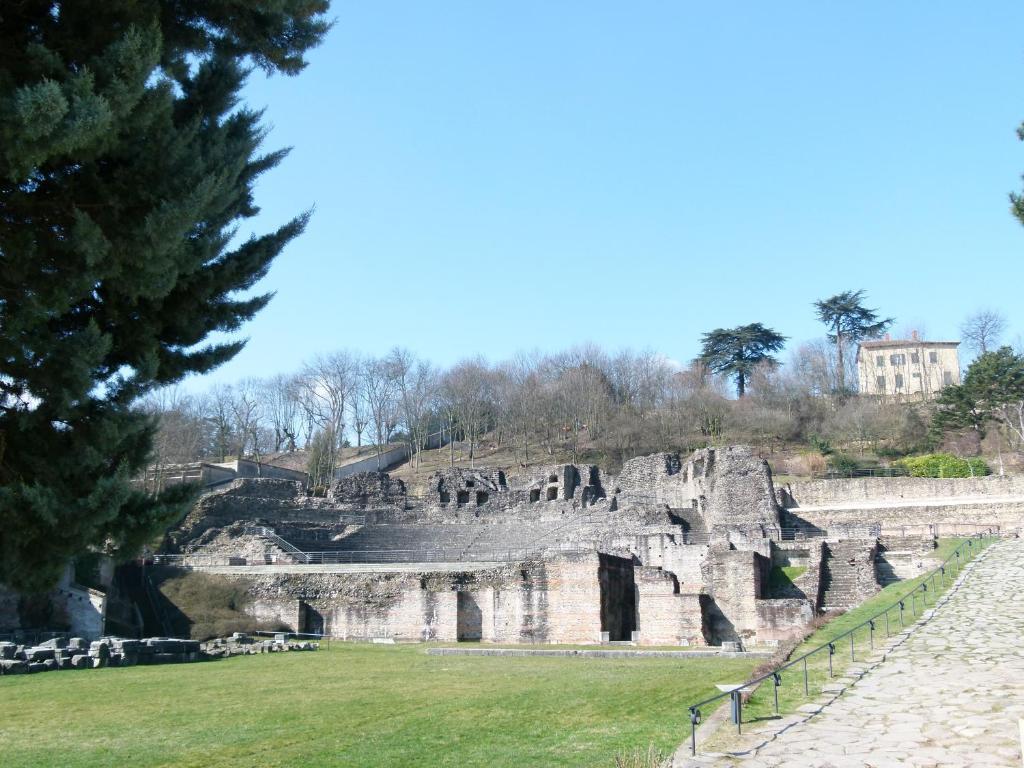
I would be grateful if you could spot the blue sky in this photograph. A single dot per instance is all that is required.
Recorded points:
(496, 177)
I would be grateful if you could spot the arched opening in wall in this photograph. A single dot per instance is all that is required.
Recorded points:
(481, 498)
(535, 495)
(445, 497)
(463, 498)
(470, 483)
(311, 620)
(552, 494)
(468, 618)
(553, 479)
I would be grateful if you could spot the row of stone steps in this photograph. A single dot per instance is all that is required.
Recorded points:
(848, 573)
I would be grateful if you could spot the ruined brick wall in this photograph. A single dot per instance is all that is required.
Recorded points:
(783, 620)
(728, 487)
(686, 561)
(574, 598)
(738, 487)
(558, 601)
(736, 580)
(664, 615)
(363, 492)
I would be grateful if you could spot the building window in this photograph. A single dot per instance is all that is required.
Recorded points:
(933, 357)
(880, 383)
(899, 381)
(947, 378)
(880, 361)
(900, 359)
(916, 375)
(915, 357)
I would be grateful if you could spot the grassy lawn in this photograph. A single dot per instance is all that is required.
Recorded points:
(761, 705)
(355, 705)
(782, 577)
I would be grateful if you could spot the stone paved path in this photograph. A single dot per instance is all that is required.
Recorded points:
(949, 695)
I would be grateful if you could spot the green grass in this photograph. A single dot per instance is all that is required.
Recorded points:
(356, 705)
(782, 577)
(761, 704)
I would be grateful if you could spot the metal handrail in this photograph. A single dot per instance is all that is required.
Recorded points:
(775, 674)
(339, 557)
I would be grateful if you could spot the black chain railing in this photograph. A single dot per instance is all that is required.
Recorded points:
(949, 569)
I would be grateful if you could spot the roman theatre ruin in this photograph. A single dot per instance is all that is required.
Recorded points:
(671, 551)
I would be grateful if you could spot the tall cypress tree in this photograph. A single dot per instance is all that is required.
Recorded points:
(126, 163)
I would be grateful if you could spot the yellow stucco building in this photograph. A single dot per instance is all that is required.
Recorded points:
(907, 368)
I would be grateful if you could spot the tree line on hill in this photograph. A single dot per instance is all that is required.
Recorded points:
(583, 403)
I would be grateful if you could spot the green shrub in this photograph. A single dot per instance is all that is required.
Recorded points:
(820, 444)
(943, 465)
(842, 463)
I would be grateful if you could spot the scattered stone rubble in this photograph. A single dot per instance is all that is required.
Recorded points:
(76, 653)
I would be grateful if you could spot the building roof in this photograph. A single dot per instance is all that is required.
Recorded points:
(886, 343)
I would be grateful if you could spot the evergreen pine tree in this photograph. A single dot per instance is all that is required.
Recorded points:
(849, 322)
(738, 351)
(125, 165)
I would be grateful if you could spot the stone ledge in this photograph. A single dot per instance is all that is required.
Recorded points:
(598, 653)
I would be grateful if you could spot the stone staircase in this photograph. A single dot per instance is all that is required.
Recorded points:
(848, 573)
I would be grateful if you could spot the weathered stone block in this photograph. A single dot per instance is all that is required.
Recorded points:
(13, 667)
(38, 654)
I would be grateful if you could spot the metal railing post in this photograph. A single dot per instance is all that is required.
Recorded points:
(831, 653)
(737, 710)
(901, 615)
(871, 633)
(807, 688)
(694, 722)
(777, 680)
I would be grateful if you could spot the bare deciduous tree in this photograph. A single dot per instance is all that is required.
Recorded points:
(982, 331)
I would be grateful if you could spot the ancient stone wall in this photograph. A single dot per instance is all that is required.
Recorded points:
(902, 557)
(783, 620)
(736, 580)
(815, 493)
(728, 487)
(665, 616)
(364, 492)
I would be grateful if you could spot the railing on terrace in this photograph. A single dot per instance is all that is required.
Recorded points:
(355, 557)
(938, 530)
(949, 569)
(838, 474)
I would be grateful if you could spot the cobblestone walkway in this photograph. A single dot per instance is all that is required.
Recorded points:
(949, 694)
